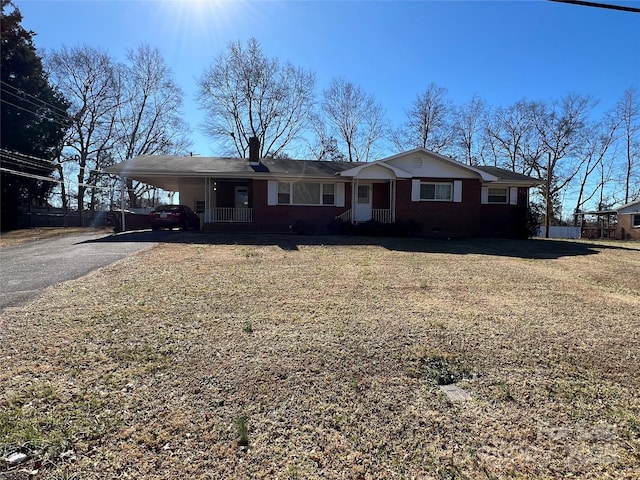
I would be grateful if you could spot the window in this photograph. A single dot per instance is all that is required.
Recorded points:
(363, 194)
(497, 195)
(635, 221)
(328, 194)
(306, 193)
(436, 192)
(199, 206)
(284, 193)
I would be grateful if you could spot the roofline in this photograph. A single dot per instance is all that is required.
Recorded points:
(203, 175)
(399, 172)
(626, 205)
(514, 182)
(485, 176)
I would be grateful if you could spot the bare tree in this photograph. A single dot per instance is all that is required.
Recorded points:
(245, 94)
(148, 120)
(559, 126)
(353, 118)
(596, 158)
(628, 111)
(513, 138)
(428, 122)
(468, 125)
(325, 146)
(89, 79)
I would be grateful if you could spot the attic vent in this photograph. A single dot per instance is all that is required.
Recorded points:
(416, 163)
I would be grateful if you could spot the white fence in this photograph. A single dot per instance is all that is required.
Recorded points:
(560, 232)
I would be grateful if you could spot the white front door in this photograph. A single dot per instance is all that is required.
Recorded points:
(362, 211)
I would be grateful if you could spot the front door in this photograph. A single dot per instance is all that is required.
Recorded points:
(242, 197)
(363, 204)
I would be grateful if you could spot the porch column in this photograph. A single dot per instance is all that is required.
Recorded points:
(354, 199)
(207, 200)
(392, 199)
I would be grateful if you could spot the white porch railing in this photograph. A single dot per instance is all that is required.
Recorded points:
(381, 215)
(230, 215)
(345, 216)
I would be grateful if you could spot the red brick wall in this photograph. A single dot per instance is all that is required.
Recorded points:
(437, 219)
(468, 218)
(380, 195)
(283, 218)
(625, 231)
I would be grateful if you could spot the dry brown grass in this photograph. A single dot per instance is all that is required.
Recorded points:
(17, 237)
(325, 358)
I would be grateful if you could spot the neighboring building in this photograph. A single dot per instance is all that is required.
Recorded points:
(628, 227)
(440, 196)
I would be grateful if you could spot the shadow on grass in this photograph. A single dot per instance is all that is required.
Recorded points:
(530, 249)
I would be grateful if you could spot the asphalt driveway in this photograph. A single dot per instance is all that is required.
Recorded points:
(27, 269)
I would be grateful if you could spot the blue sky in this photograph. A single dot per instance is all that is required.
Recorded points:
(501, 50)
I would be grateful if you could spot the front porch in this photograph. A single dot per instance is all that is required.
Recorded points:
(371, 200)
(227, 201)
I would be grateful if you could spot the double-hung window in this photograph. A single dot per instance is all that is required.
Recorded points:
(635, 221)
(284, 193)
(498, 195)
(436, 191)
(328, 194)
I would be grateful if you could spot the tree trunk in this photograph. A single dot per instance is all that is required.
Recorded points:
(63, 195)
(81, 191)
(133, 197)
(549, 208)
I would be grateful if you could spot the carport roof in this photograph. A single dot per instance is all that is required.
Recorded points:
(168, 171)
(165, 170)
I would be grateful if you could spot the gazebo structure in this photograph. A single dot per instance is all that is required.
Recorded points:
(598, 224)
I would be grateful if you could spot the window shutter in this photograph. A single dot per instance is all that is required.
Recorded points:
(457, 191)
(272, 192)
(340, 195)
(415, 190)
(485, 195)
(513, 195)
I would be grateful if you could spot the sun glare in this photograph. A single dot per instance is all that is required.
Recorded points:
(198, 23)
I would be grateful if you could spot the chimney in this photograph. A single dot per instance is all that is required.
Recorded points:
(254, 151)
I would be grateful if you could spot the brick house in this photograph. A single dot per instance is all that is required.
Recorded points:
(437, 195)
(628, 227)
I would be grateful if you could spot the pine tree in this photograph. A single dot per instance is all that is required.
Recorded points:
(33, 119)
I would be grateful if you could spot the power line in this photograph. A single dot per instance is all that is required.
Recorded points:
(32, 112)
(31, 165)
(43, 102)
(29, 175)
(23, 155)
(17, 159)
(609, 6)
(49, 179)
(34, 104)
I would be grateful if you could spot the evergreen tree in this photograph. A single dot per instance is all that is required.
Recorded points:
(33, 119)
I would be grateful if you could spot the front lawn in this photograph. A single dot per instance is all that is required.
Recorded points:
(322, 358)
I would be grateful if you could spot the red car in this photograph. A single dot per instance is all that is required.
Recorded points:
(174, 216)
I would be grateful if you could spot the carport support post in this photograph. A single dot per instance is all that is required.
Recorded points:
(122, 219)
